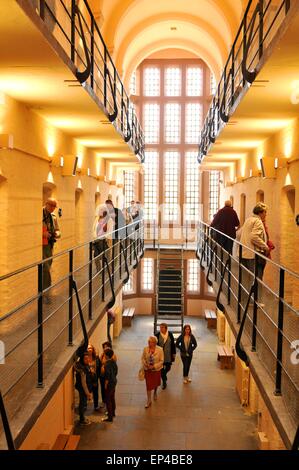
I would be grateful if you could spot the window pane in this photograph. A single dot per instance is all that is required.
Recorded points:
(151, 81)
(213, 85)
(214, 178)
(193, 275)
(148, 274)
(129, 287)
(173, 81)
(194, 81)
(151, 185)
(193, 122)
(172, 124)
(191, 210)
(171, 186)
(133, 83)
(129, 187)
(151, 123)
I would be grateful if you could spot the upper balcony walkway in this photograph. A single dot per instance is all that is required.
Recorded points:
(54, 59)
(255, 95)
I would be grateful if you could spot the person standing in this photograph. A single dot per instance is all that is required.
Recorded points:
(105, 345)
(110, 375)
(100, 244)
(51, 233)
(166, 342)
(186, 343)
(110, 321)
(254, 237)
(83, 385)
(94, 366)
(226, 221)
(152, 362)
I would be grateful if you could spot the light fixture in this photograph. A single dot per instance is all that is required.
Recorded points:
(268, 167)
(6, 141)
(61, 161)
(88, 171)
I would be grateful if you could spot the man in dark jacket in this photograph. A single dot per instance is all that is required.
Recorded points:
(166, 342)
(83, 385)
(226, 221)
(111, 370)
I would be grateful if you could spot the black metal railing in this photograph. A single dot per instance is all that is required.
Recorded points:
(259, 25)
(265, 309)
(76, 30)
(39, 323)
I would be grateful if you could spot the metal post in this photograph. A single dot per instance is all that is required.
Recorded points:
(90, 283)
(42, 7)
(103, 274)
(288, 6)
(40, 372)
(244, 43)
(73, 30)
(233, 77)
(6, 427)
(255, 296)
(113, 260)
(280, 332)
(229, 279)
(261, 28)
(105, 77)
(71, 269)
(119, 258)
(92, 53)
(216, 262)
(239, 286)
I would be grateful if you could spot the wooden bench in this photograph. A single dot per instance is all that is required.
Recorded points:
(226, 357)
(128, 315)
(211, 318)
(63, 442)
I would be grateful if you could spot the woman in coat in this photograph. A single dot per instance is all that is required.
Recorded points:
(186, 343)
(152, 362)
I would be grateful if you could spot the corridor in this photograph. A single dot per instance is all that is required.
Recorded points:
(203, 415)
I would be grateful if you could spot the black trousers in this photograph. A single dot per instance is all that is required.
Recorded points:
(95, 393)
(103, 392)
(110, 401)
(165, 370)
(82, 404)
(186, 360)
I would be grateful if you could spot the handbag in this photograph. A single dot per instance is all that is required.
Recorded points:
(141, 375)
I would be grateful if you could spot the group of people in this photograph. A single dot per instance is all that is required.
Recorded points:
(92, 370)
(109, 219)
(159, 355)
(254, 235)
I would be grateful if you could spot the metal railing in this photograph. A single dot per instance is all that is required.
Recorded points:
(259, 25)
(76, 30)
(38, 324)
(264, 306)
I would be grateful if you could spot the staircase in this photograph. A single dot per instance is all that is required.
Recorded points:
(170, 289)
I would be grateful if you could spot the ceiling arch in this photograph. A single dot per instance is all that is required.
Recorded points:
(183, 44)
(204, 32)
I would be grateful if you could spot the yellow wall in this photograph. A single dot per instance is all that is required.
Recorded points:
(57, 417)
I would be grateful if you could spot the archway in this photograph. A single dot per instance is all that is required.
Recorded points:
(260, 196)
(288, 232)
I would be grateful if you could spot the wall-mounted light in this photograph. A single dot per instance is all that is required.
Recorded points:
(6, 141)
(61, 162)
(88, 171)
(268, 167)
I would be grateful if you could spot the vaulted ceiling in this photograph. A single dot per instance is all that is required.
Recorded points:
(135, 29)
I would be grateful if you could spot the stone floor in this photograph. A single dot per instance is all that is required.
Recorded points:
(203, 415)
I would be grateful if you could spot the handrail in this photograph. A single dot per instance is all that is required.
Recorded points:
(112, 301)
(235, 79)
(7, 431)
(126, 263)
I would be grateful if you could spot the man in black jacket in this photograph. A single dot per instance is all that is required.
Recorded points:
(166, 341)
(111, 370)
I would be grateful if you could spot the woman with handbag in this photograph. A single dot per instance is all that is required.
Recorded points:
(152, 362)
(186, 343)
